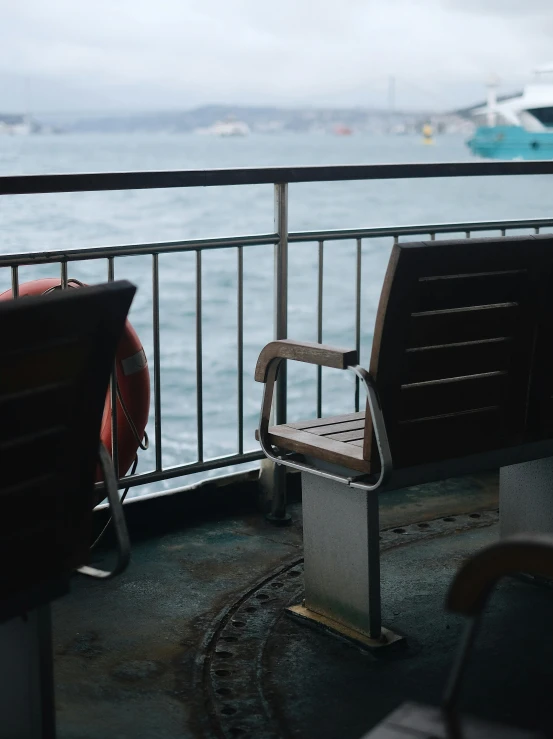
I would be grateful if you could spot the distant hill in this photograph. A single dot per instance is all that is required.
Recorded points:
(260, 119)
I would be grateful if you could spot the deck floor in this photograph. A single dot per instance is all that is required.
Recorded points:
(144, 656)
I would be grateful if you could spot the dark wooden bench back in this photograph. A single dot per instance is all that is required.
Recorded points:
(463, 348)
(56, 356)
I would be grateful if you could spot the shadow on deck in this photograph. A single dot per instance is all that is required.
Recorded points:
(192, 640)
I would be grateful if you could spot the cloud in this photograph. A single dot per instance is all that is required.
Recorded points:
(178, 53)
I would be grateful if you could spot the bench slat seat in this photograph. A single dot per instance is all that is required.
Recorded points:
(335, 439)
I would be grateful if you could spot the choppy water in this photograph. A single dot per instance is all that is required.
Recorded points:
(45, 222)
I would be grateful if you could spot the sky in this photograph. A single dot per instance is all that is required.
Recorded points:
(141, 55)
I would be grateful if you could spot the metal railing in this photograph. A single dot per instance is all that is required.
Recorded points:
(280, 239)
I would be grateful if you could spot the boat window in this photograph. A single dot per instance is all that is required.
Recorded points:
(544, 115)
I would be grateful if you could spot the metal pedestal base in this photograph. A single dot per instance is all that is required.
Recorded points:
(26, 677)
(342, 556)
(310, 618)
(526, 498)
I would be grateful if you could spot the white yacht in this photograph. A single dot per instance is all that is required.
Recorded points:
(517, 126)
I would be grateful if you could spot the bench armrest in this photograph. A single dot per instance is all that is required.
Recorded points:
(303, 351)
(326, 356)
(530, 554)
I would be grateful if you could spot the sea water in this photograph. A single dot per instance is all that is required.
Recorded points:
(64, 221)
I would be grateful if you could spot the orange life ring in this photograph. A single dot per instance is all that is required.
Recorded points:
(133, 380)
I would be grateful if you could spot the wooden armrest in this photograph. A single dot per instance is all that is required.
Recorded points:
(303, 351)
(524, 553)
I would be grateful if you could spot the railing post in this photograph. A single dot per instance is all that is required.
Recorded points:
(273, 477)
(281, 291)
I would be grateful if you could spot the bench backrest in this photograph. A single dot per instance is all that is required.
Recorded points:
(463, 348)
(56, 356)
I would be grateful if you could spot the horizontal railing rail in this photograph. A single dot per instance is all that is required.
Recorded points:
(132, 250)
(280, 177)
(95, 181)
(25, 259)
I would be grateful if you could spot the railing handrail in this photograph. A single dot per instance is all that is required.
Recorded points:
(183, 245)
(149, 180)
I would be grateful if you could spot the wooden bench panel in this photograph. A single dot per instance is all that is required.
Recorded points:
(457, 310)
(456, 360)
(343, 448)
(441, 397)
(461, 291)
(430, 439)
(463, 324)
(357, 435)
(334, 424)
(24, 457)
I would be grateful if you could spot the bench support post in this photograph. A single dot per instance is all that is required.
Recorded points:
(273, 478)
(26, 676)
(526, 497)
(342, 561)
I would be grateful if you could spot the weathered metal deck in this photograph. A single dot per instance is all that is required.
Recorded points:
(192, 640)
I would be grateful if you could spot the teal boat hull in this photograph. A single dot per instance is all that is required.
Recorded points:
(511, 142)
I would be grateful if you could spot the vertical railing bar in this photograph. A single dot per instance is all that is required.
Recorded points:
(15, 281)
(281, 292)
(320, 327)
(536, 230)
(357, 317)
(63, 267)
(199, 367)
(112, 382)
(432, 236)
(396, 239)
(275, 487)
(240, 358)
(157, 362)
(467, 234)
(503, 232)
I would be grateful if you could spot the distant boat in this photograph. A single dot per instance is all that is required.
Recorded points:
(427, 134)
(341, 130)
(15, 125)
(229, 127)
(399, 129)
(518, 126)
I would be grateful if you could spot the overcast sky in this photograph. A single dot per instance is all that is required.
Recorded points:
(151, 54)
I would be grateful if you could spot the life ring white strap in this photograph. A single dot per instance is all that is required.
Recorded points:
(134, 363)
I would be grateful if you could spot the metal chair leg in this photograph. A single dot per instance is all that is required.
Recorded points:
(118, 517)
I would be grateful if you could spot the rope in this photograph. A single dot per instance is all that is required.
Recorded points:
(142, 444)
(72, 282)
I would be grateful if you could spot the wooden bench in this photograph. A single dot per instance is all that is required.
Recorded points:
(460, 380)
(56, 356)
